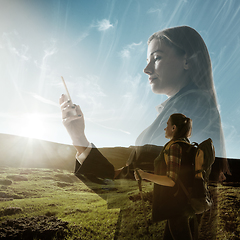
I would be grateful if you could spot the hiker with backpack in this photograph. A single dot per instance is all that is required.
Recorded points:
(174, 166)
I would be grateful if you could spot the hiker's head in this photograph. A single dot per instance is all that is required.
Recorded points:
(189, 47)
(178, 126)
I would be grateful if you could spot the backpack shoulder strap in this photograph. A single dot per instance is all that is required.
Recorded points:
(166, 150)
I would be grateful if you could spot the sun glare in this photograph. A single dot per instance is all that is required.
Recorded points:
(33, 126)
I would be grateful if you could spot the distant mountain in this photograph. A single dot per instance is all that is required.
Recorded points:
(234, 165)
(17, 151)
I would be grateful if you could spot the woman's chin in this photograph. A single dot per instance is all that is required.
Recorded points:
(165, 91)
(157, 90)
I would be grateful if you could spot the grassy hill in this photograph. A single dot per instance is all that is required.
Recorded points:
(16, 151)
(35, 182)
(40, 202)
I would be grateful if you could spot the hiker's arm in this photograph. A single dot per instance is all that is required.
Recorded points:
(158, 179)
(173, 164)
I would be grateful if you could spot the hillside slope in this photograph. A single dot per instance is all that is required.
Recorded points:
(16, 151)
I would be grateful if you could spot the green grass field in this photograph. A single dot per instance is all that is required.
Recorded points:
(97, 211)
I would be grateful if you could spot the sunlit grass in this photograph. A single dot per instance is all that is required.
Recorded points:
(109, 213)
(87, 213)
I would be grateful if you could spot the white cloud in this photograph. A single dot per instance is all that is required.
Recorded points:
(90, 91)
(154, 10)
(126, 52)
(79, 39)
(103, 25)
(49, 52)
(15, 49)
(21, 53)
(110, 128)
(82, 36)
(130, 98)
(44, 100)
(134, 45)
(133, 83)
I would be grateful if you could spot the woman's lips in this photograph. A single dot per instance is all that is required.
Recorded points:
(151, 80)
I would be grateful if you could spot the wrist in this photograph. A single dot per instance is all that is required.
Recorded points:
(80, 149)
(81, 144)
(143, 174)
(84, 153)
(80, 141)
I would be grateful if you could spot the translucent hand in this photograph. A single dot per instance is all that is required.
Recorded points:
(136, 175)
(73, 120)
(221, 177)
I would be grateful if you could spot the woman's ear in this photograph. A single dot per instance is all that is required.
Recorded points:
(174, 127)
(186, 63)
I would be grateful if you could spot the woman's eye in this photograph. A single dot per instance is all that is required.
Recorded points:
(157, 58)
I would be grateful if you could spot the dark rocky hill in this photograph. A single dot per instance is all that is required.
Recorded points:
(16, 151)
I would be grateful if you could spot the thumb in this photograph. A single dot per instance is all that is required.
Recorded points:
(79, 111)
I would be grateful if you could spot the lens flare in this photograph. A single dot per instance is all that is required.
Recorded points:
(33, 126)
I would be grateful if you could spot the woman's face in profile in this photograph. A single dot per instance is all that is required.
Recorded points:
(167, 70)
(169, 130)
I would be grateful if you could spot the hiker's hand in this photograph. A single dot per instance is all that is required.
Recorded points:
(140, 172)
(221, 177)
(73, 120)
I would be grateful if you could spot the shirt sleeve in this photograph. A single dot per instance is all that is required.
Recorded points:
(174, 161)
(80, 158)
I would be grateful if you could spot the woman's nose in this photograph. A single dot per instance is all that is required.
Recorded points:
(148, 69)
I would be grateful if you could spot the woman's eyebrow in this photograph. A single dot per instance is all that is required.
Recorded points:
(158, 50)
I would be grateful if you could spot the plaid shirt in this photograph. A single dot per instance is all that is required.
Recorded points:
(174, 161)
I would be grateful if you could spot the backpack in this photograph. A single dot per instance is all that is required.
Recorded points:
(201, 158)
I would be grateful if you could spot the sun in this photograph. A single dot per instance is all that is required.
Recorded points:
(33, 126)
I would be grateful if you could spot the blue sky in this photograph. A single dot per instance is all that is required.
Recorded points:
(99, 47)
